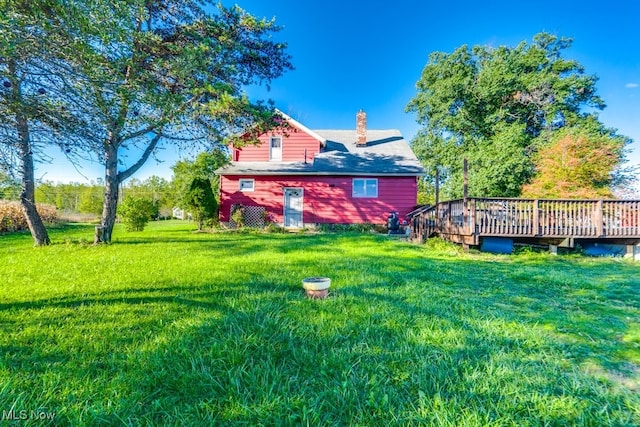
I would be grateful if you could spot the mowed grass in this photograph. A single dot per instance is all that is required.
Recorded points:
(173, 327)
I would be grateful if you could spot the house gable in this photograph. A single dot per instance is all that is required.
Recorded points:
(296, 144)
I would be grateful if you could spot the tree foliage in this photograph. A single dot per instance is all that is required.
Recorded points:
(9, 187)
(496, 107)
(203, 167)
(174, 73)
(72, 197)
(121, 78)
(154, 188)
(30, 71)
(90, 199)
(579, 163)
(201, 201)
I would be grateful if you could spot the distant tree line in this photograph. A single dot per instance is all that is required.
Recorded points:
(157, 195)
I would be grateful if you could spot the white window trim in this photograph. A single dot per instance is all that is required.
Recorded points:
(271, 157)
(272, 137)
(247, 180)
(365, 195)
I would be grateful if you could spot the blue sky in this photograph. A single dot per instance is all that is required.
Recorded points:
(352, 55)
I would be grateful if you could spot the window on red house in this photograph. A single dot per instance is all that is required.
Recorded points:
(246, 185)
(365, 187)
(275, 148)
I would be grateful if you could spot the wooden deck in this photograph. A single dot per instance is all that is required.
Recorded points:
(468, 221)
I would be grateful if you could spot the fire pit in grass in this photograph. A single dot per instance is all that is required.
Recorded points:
(316, 287)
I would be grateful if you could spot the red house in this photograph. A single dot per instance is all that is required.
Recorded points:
(306, 177)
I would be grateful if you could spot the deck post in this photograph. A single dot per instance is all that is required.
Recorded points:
(465, 196)
(536, 218)
(598, 219)
(448, 226)
(472, 219)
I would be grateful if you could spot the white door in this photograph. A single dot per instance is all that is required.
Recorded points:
(275, 148)
(293, 207)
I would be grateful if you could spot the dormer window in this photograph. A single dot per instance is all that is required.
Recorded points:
(275, 148)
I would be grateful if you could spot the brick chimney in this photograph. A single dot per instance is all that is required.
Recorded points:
(361, 129)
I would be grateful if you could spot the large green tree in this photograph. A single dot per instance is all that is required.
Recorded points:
(173, 73)
(31, 89)
(497, 107)
(40, 87)
(123, 77)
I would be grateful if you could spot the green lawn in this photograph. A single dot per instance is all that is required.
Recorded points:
(172, 327)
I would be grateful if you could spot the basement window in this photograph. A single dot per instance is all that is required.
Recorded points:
(365, 187)
(247, 185)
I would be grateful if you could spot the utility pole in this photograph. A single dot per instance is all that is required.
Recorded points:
(437, 185)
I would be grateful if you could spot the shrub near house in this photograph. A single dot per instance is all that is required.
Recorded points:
(201, 201)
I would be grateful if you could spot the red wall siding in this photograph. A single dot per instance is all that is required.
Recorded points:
(326, 199)
(293, 147)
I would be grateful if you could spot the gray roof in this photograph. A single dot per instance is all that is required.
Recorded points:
(386, 153)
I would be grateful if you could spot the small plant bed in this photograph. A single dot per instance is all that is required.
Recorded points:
(171, 327)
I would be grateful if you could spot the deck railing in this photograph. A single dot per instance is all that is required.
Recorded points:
(530, 218)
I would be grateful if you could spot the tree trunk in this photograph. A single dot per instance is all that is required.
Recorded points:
(112, 181)
(111, 184)
(27, 194)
